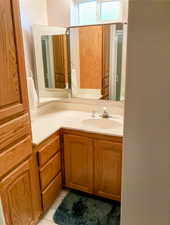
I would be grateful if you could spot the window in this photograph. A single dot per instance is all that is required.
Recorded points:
(87, 12)
(111, 10)
(96, 11)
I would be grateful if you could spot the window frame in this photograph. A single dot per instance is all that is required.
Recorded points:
(75, 16)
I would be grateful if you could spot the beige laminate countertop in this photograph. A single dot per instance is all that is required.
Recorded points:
(49, 118)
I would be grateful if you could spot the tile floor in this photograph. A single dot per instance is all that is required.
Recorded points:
(48, 217)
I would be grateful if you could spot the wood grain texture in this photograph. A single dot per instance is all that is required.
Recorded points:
(48, 150)
(19, 187)
(16, 189)
(50, 194)
(105, 60)
(13, 91)
(60, 61)
(93, 163)
(50, 170)
(78, 158)
(14, 130)
(90, 44)
(12, 156)
(108, 166)
(49, 157)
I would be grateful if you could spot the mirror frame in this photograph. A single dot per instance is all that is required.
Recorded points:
(38, 32)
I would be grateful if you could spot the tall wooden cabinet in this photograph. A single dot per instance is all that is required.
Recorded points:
(16, 195)
(13, 96)
(18, 181)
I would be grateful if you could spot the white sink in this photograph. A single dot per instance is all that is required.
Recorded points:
(103, 123)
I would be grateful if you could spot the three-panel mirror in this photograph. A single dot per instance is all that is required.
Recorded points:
(81, 62)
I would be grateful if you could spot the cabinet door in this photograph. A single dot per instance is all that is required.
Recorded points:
(90, 45)
(13, 92)
(108, 169)
(16, 195)
(78, 157)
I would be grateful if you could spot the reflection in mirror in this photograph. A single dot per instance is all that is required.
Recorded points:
(98, 61)
(56, 61)
(52, 61)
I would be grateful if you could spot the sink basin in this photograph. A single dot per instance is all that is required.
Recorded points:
(102, 123)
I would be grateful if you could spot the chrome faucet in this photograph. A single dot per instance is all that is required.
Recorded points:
(105, 113)
(69, 91)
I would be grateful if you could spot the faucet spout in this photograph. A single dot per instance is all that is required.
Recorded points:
(105, 113)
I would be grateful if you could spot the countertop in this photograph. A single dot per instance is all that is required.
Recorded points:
(76, 115)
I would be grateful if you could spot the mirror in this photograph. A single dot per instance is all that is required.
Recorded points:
(81, 62)
(52, 61)
(98, 61)
(56, 61)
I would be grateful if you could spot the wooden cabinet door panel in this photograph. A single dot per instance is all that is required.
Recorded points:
(13, 92)
(78, 157)
(16, 194)
(90, 45)
(50, 170)
(108, 169)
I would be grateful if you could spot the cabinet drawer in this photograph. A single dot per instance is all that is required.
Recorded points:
(50, 193)
(14, 155)
(47, 151)
(50, 170)
(14, 130)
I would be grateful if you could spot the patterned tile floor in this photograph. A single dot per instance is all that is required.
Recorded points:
(48, 217)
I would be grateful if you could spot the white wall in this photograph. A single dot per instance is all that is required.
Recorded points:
(32, 12)
(146, 157)
(43, 12)
(59, 12)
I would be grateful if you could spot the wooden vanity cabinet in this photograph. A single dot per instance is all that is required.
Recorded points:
(78, 158)
(107, 169)
(50, 169)
(93, 163)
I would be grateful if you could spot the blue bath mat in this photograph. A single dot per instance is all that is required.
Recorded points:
(82, 209)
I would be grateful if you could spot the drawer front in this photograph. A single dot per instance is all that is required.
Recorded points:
(48, 150)
(50, 170)
(51, 192)
(14, 130)
(14, 155)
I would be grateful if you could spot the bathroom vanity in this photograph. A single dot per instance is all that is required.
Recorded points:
(74, 152)
(77, 144)
(61, 144)
(92, 163)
